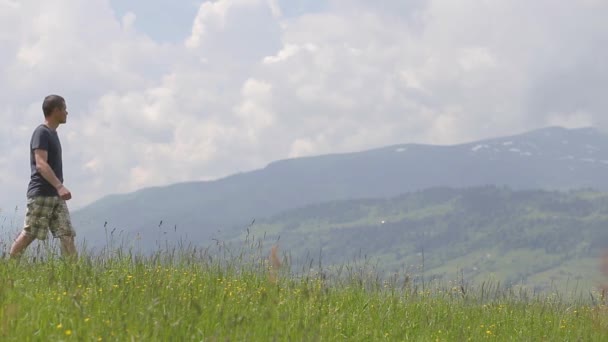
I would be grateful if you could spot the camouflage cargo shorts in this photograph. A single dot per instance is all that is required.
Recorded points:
(47, 213)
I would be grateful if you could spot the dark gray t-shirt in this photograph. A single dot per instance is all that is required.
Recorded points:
(46, 139)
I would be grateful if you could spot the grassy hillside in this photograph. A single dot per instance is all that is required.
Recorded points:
(536, 238)
(194, 295)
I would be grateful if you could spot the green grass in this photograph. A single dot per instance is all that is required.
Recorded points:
(218, 295)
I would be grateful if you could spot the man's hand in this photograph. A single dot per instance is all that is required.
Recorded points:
(64, 193)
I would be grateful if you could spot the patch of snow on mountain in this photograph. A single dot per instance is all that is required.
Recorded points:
(401, 149)
(531, 145)
(479, 147)
(588, 160)
(591, 149)
(515, 150)
(507, 143)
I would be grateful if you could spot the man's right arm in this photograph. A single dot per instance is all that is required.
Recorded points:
(42, 166)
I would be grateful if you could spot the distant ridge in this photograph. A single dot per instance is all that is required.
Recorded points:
(551, 158)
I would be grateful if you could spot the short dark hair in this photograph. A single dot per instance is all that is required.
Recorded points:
(51, 103)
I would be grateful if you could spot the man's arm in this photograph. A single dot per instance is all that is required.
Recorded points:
(45, 169)
(42, 166)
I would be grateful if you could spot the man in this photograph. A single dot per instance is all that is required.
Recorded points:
(46, 194)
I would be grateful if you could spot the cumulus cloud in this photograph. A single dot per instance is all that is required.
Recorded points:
(260, 80)
(243, 30)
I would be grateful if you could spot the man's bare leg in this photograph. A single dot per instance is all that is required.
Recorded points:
(20, 244)
(68, 248)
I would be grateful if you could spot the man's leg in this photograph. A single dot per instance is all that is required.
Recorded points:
(61, 227)
(20, 244)
(35, 225)
(68, 248)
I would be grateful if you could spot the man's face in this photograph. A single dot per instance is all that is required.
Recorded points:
(61, 114)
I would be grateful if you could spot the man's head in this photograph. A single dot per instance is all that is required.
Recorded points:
(54, 109)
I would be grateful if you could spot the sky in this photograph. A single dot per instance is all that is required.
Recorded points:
(161, 91)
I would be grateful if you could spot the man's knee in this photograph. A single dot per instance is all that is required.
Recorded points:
(26, 237)
(67, 239)
(21, 243)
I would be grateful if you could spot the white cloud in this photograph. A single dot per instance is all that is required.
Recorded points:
(255, 112)
(476, 58)
(287, 52)
(128, 21)
(235, 29)
(275, 8)
(251, 84)
(571, 120)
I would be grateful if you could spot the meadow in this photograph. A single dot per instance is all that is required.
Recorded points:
(250, 294)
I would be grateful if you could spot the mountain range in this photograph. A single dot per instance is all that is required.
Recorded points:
(552, 158)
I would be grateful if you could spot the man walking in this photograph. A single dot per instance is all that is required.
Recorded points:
(46, 194)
